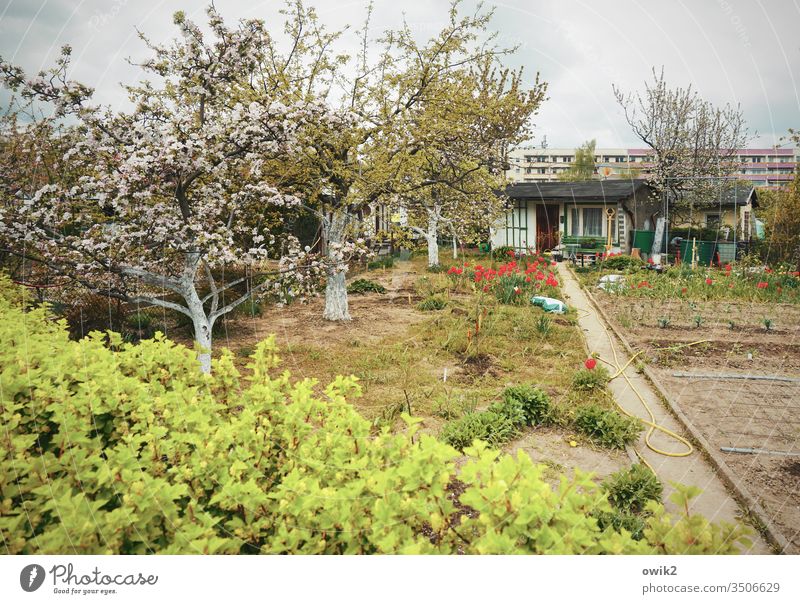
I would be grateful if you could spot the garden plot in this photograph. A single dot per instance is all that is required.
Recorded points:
(432, 362)
(731, 339)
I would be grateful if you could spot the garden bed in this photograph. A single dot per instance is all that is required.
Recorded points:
(733, 339)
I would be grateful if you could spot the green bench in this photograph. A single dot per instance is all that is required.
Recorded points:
(582, 246)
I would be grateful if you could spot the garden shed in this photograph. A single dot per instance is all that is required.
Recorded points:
(542, 215)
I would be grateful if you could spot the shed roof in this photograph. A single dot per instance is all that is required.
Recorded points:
(607, 190)
(613, 191)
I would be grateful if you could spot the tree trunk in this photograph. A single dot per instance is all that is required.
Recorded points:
(202, 336)
(455, 247)
(336, 307)
(202, 328)
(430, 236)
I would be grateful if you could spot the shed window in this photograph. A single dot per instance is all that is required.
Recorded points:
(593, 221)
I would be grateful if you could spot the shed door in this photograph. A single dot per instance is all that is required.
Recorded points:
(546, 227)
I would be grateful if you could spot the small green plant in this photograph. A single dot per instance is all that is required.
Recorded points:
(502, 253)
(543, 325)
(383, 262)
(245, 351)
(534, 402)
(621, 263)
(512, 289)
(731, 325)
(607, 428)
(434, 302)
(363, 286)
(697, 320)
(629, 490)
(617, 520)
(436, 268)
(663, 322)
(767, 324)
(450, 406)
(139, 320)
(590, 379)
(489, 426)
(510, 408)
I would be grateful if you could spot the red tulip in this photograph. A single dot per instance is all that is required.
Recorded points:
(590, 363)
(709, 281)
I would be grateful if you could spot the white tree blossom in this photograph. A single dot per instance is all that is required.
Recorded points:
(159, 197)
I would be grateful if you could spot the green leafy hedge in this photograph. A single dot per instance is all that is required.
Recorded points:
(111, 447)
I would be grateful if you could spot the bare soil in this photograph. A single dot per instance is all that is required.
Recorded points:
(552, 448)
(745, 413)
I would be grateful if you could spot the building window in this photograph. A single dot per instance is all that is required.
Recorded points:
(593, 221)
(586, 222)
(713, 221)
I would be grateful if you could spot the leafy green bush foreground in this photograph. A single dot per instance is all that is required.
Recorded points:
(111, 447)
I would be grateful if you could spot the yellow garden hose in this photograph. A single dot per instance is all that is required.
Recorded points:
(651, 423)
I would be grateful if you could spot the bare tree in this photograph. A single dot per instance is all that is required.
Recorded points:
(694, 143)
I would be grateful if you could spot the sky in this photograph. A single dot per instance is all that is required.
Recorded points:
(742, 52)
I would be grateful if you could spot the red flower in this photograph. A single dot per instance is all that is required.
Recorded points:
(511, 253)
(527, 279)
(709, 281)
(540, 276)
(486, 288)
(683, 290)
(645, 284)
(590, 364)
(650, 261)
(767, 270)
(762, 285)
(728, 268)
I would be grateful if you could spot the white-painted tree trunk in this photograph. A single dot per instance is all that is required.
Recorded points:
(455, 248)
(202, 336)
(336, 305)
(430, 236)
(200, 321)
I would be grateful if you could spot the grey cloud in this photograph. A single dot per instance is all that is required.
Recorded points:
(733, 51)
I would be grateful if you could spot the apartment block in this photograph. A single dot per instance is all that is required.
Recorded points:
(764, 168)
